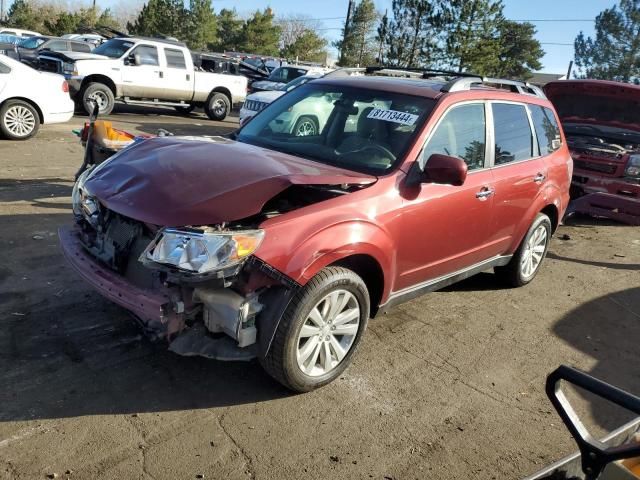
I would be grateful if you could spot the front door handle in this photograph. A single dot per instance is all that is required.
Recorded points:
(539, 178)
(485, 193)
(161, 74)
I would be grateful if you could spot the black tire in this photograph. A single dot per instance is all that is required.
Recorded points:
(186, 110)
(19, 120)
(308, 124)
(101, 92)
(513, 274)
(281, 360)
(217, 107)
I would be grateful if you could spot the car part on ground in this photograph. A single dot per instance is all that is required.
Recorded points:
(601, 460)
(601, 121)
(271, 244)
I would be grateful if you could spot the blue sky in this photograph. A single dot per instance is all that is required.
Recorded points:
(556, 59)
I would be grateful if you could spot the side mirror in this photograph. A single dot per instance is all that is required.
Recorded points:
(445, 169)
(132, 59)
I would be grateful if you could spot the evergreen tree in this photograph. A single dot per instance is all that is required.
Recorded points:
(229, 31)
(308, 46)
(358, 45)
(201, 29)
(473, 31)
(614, 54)
(22, 15)
(160, 17)
(260, 35)
(518, 53)
(409, 37)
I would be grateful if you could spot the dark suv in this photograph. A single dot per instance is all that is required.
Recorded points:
(281, 247)
(28, 49)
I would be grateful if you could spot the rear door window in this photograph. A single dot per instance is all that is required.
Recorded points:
(80, 47)
(547, 130)
(461, 133)
(57, 46)
(512, 133)
(175, 58)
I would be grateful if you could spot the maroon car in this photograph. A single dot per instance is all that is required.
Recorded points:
(281, 247)
(602, 122)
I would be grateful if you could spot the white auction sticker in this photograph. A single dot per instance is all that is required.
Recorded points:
(393, 116)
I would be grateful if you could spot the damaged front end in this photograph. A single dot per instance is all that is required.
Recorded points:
(200, 287)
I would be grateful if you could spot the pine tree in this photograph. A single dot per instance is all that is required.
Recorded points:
(160, 17)
(22, 15)
(229, 31)
(260, 35)
(202, 28)
(614, 54)
(409, 37)
(359, 45)
(308, 46)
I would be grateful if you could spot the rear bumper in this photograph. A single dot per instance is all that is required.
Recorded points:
(590, 183)
(152, 307)
(60, 117)
(616, 207)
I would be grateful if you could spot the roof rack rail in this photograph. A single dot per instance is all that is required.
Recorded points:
(424, 72)
(516, 86)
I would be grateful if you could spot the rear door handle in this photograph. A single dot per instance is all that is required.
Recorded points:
(485, 193)
(539, 177)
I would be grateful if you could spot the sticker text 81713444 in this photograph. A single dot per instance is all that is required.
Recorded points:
(393, 116)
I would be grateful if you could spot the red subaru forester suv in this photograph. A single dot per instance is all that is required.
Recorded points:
(278, 246)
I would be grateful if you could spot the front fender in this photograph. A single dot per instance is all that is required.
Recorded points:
(301, 260)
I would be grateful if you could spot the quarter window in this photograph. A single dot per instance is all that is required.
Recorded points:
(148, 55)
(512, 131)
(461, 133)
(56, 46)
(175, 58)
(80, 47)
(547, 129)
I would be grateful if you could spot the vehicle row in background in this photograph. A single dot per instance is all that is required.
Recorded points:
(145, 71)
(28, 49)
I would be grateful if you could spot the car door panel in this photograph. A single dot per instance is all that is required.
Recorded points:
(142, 81)
(519, 175)
(453, 221)
(178, 80)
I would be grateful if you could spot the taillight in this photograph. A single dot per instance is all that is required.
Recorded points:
(633, 166)
(65, 87)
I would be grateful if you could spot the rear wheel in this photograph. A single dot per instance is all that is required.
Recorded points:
(217, 107)
(320, 331)
(526, 262)
(100, 94)
(19, 120)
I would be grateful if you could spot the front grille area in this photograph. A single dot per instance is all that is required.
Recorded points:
(254, 105)
(595, 166)
(48, 65)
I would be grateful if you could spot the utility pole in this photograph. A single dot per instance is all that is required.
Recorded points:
(383, 32)
(569, 70)
(1, 10)
(346, 27)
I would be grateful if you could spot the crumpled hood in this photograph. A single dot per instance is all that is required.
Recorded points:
(180, 181)
(596, 102)
(266, 85)
(266, 97)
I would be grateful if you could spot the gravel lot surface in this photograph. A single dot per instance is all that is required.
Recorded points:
(449, 386)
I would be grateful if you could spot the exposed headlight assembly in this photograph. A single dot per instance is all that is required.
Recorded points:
(69, 68)
(202, 251)
(83, 204)
(633, 167)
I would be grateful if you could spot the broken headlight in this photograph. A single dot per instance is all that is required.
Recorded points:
(83, 204)
(633, 167)
(202, 251)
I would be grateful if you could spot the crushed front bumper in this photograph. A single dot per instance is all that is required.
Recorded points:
(153, 308)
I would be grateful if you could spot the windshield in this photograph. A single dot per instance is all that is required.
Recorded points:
(353, 128)
(114, 48)
(31, 43)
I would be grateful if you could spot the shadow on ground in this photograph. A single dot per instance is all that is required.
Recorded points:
(607, 329)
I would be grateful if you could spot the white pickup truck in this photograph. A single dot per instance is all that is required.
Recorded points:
(144, 71)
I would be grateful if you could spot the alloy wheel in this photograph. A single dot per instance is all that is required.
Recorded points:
(328, 333)
(305, 128)
(534, 251)
(101, 99)
(219, 107)
(19, 120)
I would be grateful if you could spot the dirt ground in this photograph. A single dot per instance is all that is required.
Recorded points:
(449, 386)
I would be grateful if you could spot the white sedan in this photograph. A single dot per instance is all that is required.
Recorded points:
(29, 98)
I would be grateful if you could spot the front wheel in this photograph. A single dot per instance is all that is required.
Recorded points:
(217, 107)
(19, 120)
(306, 126)
(320, 331)
(526, 262)
(100, 94)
